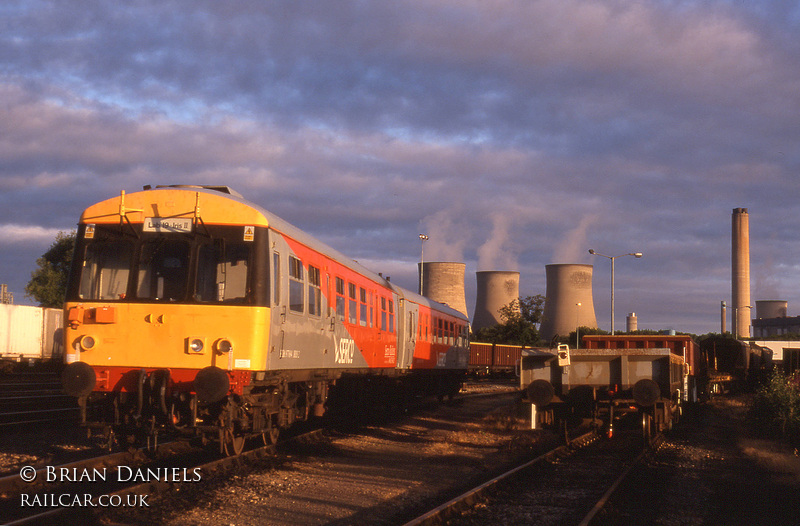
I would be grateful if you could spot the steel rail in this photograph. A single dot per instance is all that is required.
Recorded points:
(465, 500)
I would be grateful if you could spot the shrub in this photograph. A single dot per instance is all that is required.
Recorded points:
(776, 406)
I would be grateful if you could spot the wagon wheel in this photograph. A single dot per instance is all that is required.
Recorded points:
(232, 444)
(270, 434)
(647, 425)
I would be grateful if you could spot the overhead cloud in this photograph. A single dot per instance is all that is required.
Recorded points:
(34, 235)
(514, 133)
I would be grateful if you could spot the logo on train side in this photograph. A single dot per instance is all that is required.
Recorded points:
(345, 351)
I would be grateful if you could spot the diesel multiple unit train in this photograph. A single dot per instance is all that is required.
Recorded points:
(193, 310)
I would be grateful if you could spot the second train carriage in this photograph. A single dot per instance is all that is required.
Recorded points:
(190, 308)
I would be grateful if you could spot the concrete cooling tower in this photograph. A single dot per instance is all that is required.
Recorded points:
(567, 285)
(771, 308)
(444, 282)
(496, 289)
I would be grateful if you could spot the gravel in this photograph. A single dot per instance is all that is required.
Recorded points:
(711, 470)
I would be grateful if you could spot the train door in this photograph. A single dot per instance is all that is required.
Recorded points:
(407, 319)
(278, 311)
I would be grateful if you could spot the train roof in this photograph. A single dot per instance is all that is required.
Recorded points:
(134, 203)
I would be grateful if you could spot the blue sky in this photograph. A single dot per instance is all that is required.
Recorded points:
(514, 133)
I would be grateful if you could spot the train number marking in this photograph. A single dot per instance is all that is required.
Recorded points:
(345, 351)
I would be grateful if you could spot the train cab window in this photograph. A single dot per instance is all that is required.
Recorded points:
(314, 292)
(296, 303)
(222, 272)
(362, 305)
(352, 305)
(105, 271)
(340, 299)
(163, 270)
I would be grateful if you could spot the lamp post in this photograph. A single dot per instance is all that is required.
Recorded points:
(637, 255)
(577, 326)
(422, 239)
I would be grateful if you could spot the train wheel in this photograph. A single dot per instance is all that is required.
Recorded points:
(232, 444)
(270, 434)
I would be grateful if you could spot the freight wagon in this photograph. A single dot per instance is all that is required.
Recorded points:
(605, 383)
(490, 359)
(30, 333)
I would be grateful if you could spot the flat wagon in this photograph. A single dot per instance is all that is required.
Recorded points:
(605, 383)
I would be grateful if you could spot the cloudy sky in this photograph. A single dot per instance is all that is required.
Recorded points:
(515, 133)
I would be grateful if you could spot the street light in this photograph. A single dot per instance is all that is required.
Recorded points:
(422, 239)
(637, 255)
(577, 326)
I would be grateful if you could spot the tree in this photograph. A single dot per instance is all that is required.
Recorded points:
(48, 284)
(520, 319)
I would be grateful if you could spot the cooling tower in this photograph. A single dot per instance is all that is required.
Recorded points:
(567, 285)
(632, 322)
(771, 308)
(444, 282)
(496, 289)
(740, 272)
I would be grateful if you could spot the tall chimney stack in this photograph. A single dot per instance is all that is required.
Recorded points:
(740, 272)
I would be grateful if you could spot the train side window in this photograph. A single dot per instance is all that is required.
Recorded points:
(362, 305)
(391, 315)
(314, 292)
(276, 278)
(352, 306)
(105, 271)
(340, 299)
(384, 316)
(295, 284)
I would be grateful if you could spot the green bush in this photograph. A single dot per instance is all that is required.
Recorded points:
(776, 406)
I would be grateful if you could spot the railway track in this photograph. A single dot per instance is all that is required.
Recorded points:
(567, 485)
(80, 491)
(34, 398)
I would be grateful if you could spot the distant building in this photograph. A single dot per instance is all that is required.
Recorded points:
(770, 327)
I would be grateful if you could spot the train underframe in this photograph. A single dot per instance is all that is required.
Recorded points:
(605, 408)
(156, 406)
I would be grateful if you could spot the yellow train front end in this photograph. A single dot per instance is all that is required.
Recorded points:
(167, 311)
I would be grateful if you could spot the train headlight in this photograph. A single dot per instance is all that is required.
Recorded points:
(87, 343)
(224, 346)
(195, 345)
